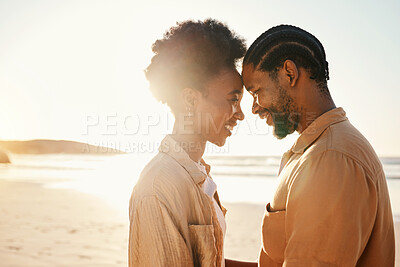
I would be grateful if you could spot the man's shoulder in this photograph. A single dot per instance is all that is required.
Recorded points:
(343, 138)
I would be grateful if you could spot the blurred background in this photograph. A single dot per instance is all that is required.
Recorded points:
(73, 70)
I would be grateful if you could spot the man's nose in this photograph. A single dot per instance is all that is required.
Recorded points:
(255, 109)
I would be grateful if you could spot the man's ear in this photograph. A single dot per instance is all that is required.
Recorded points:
(291, 71)
(190, 97)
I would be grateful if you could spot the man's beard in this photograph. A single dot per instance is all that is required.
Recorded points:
(285, 115)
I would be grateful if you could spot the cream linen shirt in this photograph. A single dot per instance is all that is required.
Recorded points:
(172, 221)
(331, 207)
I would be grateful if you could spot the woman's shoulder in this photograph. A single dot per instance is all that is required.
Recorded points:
(162, 165)
(162, 175)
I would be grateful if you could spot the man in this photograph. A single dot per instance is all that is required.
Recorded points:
(332, 206)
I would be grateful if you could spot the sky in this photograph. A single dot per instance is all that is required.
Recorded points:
(74, 69)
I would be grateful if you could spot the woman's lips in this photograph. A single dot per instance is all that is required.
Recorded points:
(229, 127)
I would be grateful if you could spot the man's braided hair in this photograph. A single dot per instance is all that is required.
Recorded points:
(283, 42)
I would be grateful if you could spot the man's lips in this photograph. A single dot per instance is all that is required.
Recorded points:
(267, 116)
(263, 114)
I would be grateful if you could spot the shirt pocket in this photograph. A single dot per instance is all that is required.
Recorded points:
(273, 234)
(203, 245)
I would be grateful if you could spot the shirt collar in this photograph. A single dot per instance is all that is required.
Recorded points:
(317, 127)
(172, 148)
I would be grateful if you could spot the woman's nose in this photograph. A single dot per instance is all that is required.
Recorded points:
(239, 113)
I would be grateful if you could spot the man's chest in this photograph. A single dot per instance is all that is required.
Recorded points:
(285, 181)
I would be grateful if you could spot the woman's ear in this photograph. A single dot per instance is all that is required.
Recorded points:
(291, 72)
(190, 96)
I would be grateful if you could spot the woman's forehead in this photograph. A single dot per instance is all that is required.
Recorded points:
(227, 82)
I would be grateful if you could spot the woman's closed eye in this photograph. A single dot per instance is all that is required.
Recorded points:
(235, 100)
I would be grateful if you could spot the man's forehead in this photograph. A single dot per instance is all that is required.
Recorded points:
(248, 69)
(247, 73)
(251, 76)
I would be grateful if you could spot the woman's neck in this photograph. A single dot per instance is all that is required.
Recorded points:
(192, 143)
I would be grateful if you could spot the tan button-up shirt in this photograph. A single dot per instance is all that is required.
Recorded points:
(332, 206)
(172, 220)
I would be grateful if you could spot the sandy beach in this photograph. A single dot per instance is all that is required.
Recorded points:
(61, 227)
(58, 227)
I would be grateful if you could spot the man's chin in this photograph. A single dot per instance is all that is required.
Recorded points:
(280, 136)
(281, 132)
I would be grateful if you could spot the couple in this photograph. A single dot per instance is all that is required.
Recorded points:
(331, 207)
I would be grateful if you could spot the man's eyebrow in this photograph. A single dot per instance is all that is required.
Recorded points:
(235, 92)
(249, 88)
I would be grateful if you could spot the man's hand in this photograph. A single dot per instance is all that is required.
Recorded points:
(232, 263)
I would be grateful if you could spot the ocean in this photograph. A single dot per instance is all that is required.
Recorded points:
(240, 179)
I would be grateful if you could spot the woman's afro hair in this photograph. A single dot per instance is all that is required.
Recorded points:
(189, 55)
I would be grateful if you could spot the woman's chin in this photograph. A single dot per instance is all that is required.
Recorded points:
(219, 142)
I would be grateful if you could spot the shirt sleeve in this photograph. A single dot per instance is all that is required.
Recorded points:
(265, 261)
(154, 239)
(330, 212)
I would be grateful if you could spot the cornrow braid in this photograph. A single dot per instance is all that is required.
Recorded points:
(270, 50)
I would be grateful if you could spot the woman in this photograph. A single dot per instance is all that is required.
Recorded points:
(175, 215)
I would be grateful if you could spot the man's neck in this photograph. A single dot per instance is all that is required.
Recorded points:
(310, 113)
